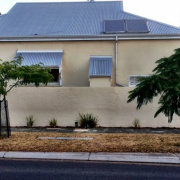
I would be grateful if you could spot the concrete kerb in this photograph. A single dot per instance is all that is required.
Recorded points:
(136, 157)
(2, 154)
(85, 156)
(48, 155)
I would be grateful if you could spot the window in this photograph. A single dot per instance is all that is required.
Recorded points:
(133, 80)
(55, 73)
(100, 66)
(50, 59)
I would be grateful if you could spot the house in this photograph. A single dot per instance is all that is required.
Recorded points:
(96, 52)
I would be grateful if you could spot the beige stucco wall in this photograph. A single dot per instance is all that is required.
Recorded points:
(139, 57)
(100, 82)
(135, 57)
(75, 59)
(64, 104)
(109, 104)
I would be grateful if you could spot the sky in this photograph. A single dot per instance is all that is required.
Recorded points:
(166, 11)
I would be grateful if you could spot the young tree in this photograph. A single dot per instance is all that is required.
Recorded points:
(13, 74)
(165, 82)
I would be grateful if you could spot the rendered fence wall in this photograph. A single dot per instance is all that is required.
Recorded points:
(100, 82)
(64, 104)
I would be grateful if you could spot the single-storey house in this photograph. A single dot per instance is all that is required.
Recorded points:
(96, 52)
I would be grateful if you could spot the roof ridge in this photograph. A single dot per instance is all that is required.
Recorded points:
(69, 2)
(151, 20)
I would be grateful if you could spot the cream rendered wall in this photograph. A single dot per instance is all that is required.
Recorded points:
(109, 104)
(64, 104)
(139, 57)
(100, 82)
(135, 57)
(75, 59)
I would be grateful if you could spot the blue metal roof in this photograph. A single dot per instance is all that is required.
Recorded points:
(48, 58)
(100, 66)
(68, 19)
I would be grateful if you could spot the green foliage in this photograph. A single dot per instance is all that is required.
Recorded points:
(165, 81)
(21, 75)
(136, 123)
(30, 121)
(87, 120)
(53, 122)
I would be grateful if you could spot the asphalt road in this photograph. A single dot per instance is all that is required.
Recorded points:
(59, 170)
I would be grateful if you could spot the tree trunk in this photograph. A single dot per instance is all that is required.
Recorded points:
(7, 116)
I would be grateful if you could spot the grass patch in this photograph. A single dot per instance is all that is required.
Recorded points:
(102, 142)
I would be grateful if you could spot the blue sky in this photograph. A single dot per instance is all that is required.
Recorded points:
(161, 10)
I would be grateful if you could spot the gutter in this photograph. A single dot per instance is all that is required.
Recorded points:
(116, 57)
(92, 38)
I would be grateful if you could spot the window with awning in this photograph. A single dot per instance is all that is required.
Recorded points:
(100, 66)
(49, 59)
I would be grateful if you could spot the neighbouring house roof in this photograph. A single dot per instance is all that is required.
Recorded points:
(48, 58)
(70, 19)
(100, 66)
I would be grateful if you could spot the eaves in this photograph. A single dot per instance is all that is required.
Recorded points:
(92, 38)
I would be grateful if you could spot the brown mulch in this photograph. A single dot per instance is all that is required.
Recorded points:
(114, 142)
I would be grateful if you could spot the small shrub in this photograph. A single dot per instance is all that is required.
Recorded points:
(136, 123)
(87, 120)
(30, 121)
(53, 122)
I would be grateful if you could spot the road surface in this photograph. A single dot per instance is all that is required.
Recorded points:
(72, 170)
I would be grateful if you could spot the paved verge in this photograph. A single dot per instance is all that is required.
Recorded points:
(85, 156)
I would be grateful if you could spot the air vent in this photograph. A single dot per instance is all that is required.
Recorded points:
(134, 80)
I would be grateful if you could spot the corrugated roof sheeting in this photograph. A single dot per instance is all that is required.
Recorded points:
(68, 19)
(49, 59)
(100, 66)
(154, 26)
(27, 19)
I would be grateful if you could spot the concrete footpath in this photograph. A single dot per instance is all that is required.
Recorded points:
(169, 158)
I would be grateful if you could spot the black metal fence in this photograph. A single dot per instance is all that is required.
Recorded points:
(4, 119)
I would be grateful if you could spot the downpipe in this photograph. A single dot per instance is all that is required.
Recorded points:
(116, 57)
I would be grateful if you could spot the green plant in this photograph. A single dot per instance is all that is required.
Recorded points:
(53, 122)
(136, 123)
(164, 83)
(13, 73)
(87, 120)
(30, 121)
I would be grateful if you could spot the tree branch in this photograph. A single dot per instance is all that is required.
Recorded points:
(12, 86)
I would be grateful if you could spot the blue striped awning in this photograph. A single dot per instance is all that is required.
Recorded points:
(100, 66)
(50, 59)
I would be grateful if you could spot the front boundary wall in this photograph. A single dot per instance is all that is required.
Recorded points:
(64, 104)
